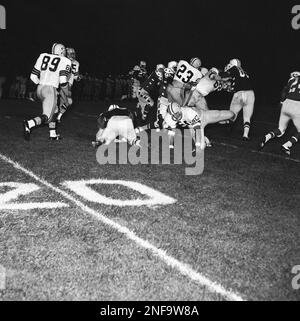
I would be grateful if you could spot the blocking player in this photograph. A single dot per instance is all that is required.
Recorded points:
(74, 76)
(290, 111)
(50, 73)
(197, 63)
(117, 121)
(138, 76)
(244, 97)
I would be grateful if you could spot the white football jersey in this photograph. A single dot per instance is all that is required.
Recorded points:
(51, 70)
(190, 117)
(74, 72)
(208, 84)
(187, 73)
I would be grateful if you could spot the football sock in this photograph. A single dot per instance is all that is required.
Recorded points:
(52, 129)
(246, 129)
(289, 144)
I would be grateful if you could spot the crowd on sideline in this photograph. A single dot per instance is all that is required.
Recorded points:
(89, 88)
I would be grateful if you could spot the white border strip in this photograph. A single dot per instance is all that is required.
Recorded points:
(174, 263)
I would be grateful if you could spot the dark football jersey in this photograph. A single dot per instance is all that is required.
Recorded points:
(292, 90)
(152, 82)
(240, 79)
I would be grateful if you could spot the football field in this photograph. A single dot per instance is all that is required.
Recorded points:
(71, 229)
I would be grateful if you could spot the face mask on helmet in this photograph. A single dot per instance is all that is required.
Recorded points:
(175, 111)
(233, 63)
(172, 65)
(213, 73)
(169, 72)
(295, 74)
(59, 50)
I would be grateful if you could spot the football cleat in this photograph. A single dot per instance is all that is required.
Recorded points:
(262, 143)
(246, 138)
(286, 150)
(26, 130)
(57, 137)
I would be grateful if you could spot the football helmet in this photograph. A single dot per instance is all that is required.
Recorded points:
(160, 66)
(59, 49)
(136, 68)
(295, 74)
(233, 63)
(113, 107)
(196, 62)
(71, 54)
(215, 70)
(175, 111)
(204, 71)
(169, 72)
(143, 64)
(172, 65)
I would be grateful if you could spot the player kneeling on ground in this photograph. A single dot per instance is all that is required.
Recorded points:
(116, 122)
(290, 110)
(50, 73)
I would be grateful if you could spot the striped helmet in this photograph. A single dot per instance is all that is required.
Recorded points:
(196, 62)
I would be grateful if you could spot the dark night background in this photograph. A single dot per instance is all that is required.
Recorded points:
(112, 36)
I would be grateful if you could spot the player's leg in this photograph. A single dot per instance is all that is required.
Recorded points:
(197, 100)
(62, 106)
(216, 116)
(282, 126)
(127, 131)
(162, 110)
(295, 115)
(146, 102)
(237, 103)
(248, 112)
(170, 124)
(50, 109)
(44, 93)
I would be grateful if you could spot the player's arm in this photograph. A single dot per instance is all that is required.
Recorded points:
(76, 74)
(64, 75)
(285, 91)
(36, 71)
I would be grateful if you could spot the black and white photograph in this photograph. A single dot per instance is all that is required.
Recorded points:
(149, 152)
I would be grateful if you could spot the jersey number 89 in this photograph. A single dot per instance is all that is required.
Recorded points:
(53, 63)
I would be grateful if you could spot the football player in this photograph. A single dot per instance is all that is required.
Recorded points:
(50, 73)
(117, 121)
(195, 118)
(197, 63)
(74, 76)
(152, 83)
(244, 97)
(290, 111)
(138, 77)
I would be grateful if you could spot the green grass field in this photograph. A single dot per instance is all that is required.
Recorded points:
(232, 233)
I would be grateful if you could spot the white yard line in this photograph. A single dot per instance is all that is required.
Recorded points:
(169, 260)
(260, 152)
